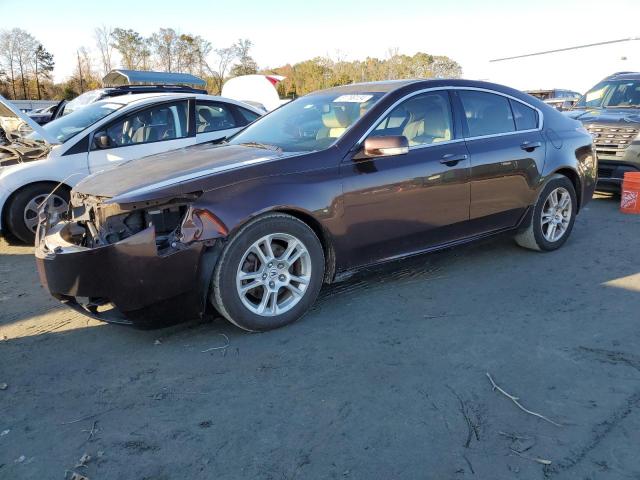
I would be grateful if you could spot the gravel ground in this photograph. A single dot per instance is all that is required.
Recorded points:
(384, 379)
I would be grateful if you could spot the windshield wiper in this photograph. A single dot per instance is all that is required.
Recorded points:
(265, 146)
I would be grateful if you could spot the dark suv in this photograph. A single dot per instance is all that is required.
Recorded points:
(610, 111)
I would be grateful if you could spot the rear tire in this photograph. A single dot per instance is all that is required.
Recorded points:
(22, 214)
(269, 273)
(553, 216)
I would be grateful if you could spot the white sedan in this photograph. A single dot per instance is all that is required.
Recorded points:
(43, 163)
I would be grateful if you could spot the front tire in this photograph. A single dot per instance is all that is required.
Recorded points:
(22, 211)
(553, 216)
(269, 274)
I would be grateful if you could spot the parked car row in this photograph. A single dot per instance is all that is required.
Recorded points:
(327, 184)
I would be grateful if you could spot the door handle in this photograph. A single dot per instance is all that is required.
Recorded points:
(451, 159)
(530, 146)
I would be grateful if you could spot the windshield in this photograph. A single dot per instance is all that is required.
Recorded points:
(313, 122)
(64, 128)
(612, 94)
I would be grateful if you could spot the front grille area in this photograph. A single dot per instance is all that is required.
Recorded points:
(612, 140)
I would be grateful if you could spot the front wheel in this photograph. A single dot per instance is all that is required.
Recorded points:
(269, 274)
(553, 216)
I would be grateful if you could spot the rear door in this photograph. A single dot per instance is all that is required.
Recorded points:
(507, 151)
(159, 128)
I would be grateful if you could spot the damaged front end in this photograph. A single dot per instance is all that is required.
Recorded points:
(145, 263)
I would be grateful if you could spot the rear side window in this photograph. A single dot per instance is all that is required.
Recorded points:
(213, 116)
(486, 113)
(248, 115)
(526, 117)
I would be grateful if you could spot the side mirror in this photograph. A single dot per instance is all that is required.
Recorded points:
(385, 146)
(101, 140)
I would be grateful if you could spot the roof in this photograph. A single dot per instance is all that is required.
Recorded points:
(624, 76)
(127, 77)
(141, 97)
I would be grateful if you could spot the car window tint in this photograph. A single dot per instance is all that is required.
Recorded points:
(486, 113)
(159, 123)
(248, 115)
(526, 117)
(423, 119)
(211, 117)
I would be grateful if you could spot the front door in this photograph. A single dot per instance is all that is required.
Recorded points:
(148, 131)
(507, 157)
(401, 204)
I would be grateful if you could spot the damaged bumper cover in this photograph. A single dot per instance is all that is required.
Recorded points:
(128, 281)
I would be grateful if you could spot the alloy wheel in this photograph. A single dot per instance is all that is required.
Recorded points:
(55, 204)
(556, 214)
(273, 274)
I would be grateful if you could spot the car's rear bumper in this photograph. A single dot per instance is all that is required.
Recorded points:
(144, 287)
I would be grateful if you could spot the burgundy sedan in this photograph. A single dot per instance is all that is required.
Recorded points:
(329, 183)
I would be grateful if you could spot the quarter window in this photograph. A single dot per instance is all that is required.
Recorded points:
(526, 117)
(424, 119)
(211, 117)
(159, 123)
(486, 113)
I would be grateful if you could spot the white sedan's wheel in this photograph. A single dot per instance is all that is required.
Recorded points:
(553, 216)
(22, 210)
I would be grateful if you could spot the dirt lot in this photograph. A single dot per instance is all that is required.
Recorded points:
(385, 378)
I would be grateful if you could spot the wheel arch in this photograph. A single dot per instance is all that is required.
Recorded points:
(313, 223)
(323, 235)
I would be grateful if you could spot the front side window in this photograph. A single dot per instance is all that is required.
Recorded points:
(156, 124)
(486, 113)
(424, 119)
(213, 116)
(309, 123)
(526, 118)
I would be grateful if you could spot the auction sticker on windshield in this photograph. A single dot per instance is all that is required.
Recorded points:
(353, 98)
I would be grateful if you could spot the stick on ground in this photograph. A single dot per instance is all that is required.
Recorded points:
(515, 400)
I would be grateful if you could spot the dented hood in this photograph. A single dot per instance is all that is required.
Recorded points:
(21, 138)
(158, 172)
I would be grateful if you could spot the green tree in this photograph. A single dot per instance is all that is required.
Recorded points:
(132, 47)
(246, 64)
(43, 67)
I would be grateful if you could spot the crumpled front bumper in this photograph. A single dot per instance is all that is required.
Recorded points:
(142, 286)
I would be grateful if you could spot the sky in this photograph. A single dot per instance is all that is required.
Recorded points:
(285, 31)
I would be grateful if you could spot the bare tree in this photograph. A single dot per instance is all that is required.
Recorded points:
(8, 56)
(23, 45)
(225, 57)
(246, 64)
(103, 37)
(164, 45)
